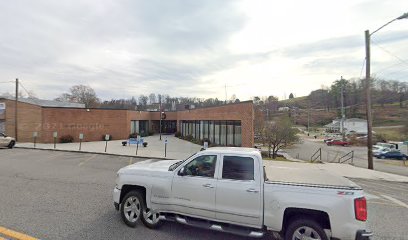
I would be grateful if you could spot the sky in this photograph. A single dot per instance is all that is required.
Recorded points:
(197, 48)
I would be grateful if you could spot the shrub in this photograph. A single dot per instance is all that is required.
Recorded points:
(133, 135)
(103, 137)
(150, 133)
(177, 134)
(189, 138)
(206, 140)
(66, 139)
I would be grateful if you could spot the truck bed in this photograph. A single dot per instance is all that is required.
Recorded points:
(303, 174)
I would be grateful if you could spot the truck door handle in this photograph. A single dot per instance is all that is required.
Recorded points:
(208, 185)
(252, 190)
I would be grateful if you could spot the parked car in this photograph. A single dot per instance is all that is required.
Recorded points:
(394, 154)
(228, 190)
(380, 149)
(338, 142)
(6, 141)
(327, 140)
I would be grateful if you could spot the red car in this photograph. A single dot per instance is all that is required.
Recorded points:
(338, 143)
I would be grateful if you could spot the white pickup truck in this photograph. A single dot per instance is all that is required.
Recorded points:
(227, 189)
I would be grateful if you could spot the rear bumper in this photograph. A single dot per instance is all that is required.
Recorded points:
(363, 235)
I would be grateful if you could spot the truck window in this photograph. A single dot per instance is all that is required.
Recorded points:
(202, 166)
(238, 168)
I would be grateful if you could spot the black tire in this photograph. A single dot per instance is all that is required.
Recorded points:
(150, 219)
(133, 200)
(11, 144)
(299, 224)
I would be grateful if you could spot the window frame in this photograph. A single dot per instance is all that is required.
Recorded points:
(217, 162)
(221, 162)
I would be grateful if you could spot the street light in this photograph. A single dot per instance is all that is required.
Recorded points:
(368, 91)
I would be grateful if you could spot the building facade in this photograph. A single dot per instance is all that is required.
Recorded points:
(228, 125)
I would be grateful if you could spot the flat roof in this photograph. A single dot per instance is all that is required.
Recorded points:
(233, 150)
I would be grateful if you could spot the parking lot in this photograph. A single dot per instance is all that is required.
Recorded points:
(66, 195)
(308, 147)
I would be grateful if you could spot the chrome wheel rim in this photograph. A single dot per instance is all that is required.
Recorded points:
(131, 209)
(305, 233)
(151, 216)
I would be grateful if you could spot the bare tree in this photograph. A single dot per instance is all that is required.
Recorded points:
(277, 135)
(152, 98)
(80, 94)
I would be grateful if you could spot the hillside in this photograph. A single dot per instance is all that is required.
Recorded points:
(387, 115)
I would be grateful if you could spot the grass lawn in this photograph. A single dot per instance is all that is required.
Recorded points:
(277, 159)
(391, 134)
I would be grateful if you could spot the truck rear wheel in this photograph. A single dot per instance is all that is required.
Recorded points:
(150, 218)
(11, 144)
(303, 228)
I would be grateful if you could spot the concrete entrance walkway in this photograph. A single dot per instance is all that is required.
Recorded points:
(176, 148)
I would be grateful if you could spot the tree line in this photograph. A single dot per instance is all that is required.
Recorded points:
(87, 95)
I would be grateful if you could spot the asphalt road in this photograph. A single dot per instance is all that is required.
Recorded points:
(308, 147)
(62, 195)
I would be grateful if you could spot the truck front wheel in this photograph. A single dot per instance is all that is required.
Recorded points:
(303, 228)
(131, 208)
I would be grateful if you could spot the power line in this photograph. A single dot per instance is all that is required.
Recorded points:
(388, 67)
(362, 68)
(21, 84)
(390, 53)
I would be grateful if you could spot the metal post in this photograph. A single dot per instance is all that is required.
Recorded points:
(137, 146)
(160, 108)
(55, 142)
(368, 103)
(106, 145)
(165, 147)
(35, 141)
(342, 110)
(15, 112)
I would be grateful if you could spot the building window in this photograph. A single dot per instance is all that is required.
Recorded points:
(237, 133)
(223, 133)
(226, 133)
(230, 133)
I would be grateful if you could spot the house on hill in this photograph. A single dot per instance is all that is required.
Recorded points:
(352, 125)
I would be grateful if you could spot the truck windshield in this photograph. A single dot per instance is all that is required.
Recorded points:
(175, 165)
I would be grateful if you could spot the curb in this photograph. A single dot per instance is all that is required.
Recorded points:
(100, 153)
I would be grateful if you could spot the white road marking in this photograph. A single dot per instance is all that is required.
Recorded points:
(371, 196)
(395, 201)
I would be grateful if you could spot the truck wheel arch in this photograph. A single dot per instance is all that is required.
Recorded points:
(127, 188)
(293, 213)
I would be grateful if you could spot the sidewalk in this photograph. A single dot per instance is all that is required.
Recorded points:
(176, 148)
(344, 170)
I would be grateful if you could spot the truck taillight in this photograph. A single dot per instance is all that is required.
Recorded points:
(360, 208)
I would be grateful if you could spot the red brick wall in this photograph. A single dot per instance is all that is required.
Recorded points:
(93, 123)
(97, 122)
(29, 120)
(240, 111)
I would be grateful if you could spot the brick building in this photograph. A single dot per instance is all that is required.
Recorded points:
(230, 124)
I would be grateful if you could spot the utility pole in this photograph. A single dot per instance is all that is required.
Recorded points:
(160, 109)
(308, 117)
(15, 111)
(368, 90)
(342, 110)
(368, 103)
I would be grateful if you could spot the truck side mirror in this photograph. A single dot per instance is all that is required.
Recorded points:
(182, 172)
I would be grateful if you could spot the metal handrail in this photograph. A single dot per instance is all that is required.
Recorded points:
(348, 157)
(312, 159)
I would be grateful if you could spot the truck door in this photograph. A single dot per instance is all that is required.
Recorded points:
(239, 192)
(193, 187)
